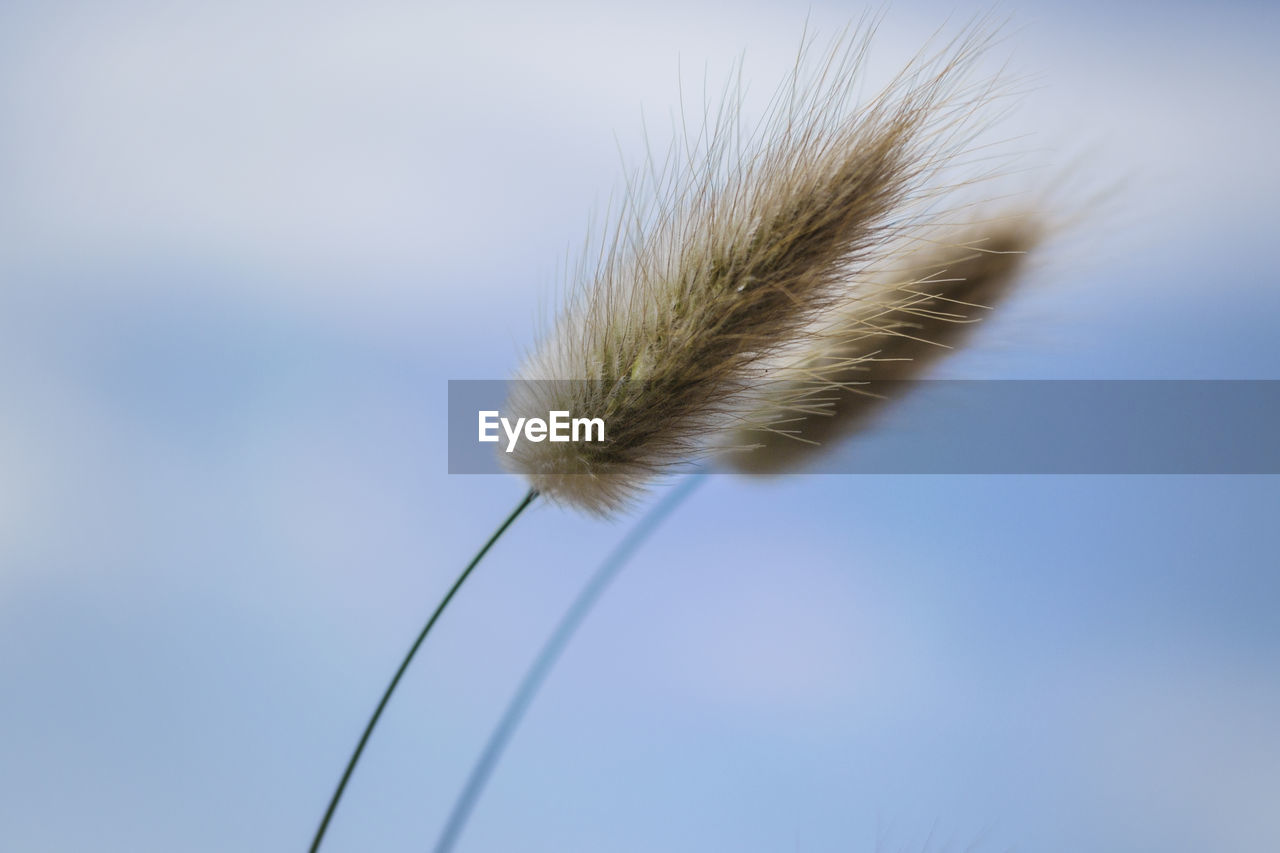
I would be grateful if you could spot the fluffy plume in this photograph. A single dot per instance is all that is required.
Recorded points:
(891, 334)
(719, 263)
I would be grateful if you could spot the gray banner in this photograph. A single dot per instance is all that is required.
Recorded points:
(985, 427)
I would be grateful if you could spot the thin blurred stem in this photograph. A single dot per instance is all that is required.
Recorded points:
(550, 653)
(404, 665)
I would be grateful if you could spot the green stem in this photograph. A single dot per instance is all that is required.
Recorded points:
(550, 654)
(386, 696)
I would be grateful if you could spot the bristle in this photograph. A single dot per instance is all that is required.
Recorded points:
(891, 334)
(729, 259)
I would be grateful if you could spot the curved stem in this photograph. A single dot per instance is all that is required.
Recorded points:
(550, 653)
(404, 665)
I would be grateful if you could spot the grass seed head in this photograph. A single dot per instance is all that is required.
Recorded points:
(723, 257)
(891, 333)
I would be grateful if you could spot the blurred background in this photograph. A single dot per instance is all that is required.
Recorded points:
(243, 246)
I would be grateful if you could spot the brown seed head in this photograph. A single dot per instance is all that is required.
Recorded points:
(891, 333)
(730, 257)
